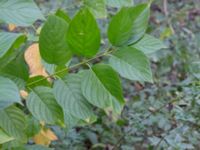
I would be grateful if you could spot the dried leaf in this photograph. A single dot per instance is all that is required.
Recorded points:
(45, 137)
(33, 59)
(11, 27)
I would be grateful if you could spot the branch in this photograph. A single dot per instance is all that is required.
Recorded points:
(105, 53)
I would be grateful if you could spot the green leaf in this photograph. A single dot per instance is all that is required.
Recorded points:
(19, 12)
(9, 93)
(132, 64)
(33, 126)
(13, 122)
(43, 105)
(16, 70)
(4, 137)
(10, 40)
(101, 87)
(128, 25)
(149, 44)
(83, 34)
(68, 94)
(62, 14)
(43, 82)
(97, 7)
(52, 41)
(119, 3)
(70, 120)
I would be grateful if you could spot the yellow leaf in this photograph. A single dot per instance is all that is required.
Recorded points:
(45, 137)
(33, 59)
(11, 27)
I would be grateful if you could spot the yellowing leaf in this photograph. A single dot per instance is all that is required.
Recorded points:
(45, 137)
(33, 59)
(11, 27)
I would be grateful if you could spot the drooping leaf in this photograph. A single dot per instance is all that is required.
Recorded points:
(43, 105)
(119, 3)
(33, 59)
(4, 137)
(101, 87)
(19, 12)
(68, 94)
(149, 44)
(52, 41)
(13, 122)
(132, 64)
(83, 35)
(10, 40)
(97, 7)
(128, 25)
(62, 14)
(9, 93)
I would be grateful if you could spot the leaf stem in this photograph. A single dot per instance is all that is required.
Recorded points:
(105, 53)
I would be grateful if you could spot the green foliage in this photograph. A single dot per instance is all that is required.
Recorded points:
(13, 122)
(9, 93)
(19, 12)
(98, 8)
(128, 25)
(134, 69)
(68, 94)
(80, 81)
(53, 47)
(148, 44)
(9, 41)
(101, 87)
(43, 105)
(4, 137)
(83, 35)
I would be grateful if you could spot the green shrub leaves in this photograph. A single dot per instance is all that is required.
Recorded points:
(131, 64)
(101, 87)
(83, 36)
(43, 105)
(128, 25)
(13, 122)
(53, 43)
(149, 44)
(9, 93)
(68, 94)
(19, 12)
(9, 41)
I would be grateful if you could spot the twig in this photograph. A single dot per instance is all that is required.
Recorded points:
(74, 66)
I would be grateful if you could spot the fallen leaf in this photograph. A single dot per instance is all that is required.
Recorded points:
(33, 59)
(45, 137)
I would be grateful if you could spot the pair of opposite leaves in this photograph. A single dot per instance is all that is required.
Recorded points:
(61, 36)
